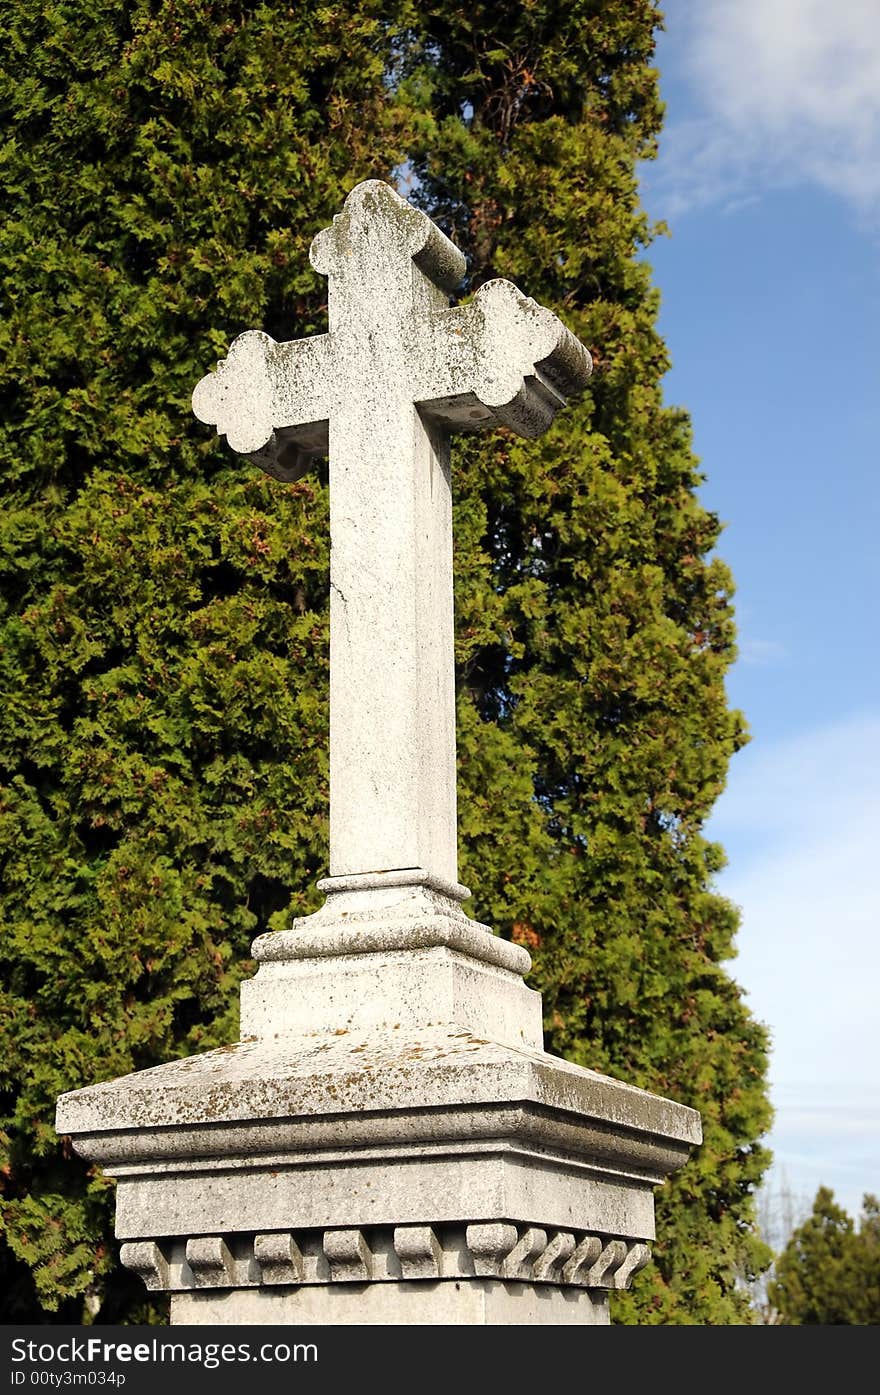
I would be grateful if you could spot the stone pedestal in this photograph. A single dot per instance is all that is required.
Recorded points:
(388, 1143)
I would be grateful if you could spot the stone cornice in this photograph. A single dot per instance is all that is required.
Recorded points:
(418, 1080)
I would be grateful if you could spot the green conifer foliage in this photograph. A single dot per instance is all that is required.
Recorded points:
(829, 1272)
(163, 626)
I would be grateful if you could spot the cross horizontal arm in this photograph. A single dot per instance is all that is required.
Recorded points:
(269, 400)
(505, 354)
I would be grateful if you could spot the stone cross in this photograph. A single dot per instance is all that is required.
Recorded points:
(387, 1142)
(398, 372)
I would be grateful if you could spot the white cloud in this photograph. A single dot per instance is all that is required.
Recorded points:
(783, 92)
(827, 1143)
(801, 824)
(819, 788)
(809, 954)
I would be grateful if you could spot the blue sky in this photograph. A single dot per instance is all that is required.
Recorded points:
(769, 179)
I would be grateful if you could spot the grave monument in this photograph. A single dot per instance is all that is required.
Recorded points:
(388, 1142)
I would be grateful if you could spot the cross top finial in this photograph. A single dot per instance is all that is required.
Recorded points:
(371, 246)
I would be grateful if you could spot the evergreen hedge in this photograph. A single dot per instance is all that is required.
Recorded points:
(163, 630)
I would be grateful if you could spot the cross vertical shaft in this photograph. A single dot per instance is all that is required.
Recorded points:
(392, 695)
(392, 699)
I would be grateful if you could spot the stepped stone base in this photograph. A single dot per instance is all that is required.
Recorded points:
(393, 1164)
